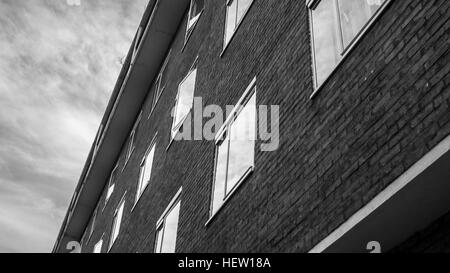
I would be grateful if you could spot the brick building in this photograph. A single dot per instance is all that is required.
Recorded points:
(363, 89)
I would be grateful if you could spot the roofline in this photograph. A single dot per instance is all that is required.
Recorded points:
(154, 19)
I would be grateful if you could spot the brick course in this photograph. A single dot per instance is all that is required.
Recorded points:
(386, 105)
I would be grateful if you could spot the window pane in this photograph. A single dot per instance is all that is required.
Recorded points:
(326, 41)
(242, 8)
(159, 238)
(163, 80)
(112, 179)
(185, 98)
(117, 222)
(109, 192)
(170, 230)
(93, 223)
(242, 144)
(98, 247)
(141, 180)
(354, 16)
(221, 172)
(196, 9)
(148, 168)
(130, 145)
(231, 20)
(157, 89)
(115, 231)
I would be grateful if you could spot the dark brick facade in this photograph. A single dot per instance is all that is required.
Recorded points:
(386, 105)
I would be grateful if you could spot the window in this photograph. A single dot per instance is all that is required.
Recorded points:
(116, 222)
(93, 224)
(336, 25)
(111, 184)
(195, 11)
(145, 170)
(236, 9)
(235, 149)
(160, 84)
(131, 145)
(185, 99)
(98, 247)
(166, 230)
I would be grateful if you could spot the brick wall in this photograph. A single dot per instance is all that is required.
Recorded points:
(386, 105)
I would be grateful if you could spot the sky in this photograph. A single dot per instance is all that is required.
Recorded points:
(59, 61)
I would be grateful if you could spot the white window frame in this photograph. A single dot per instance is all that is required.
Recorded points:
(116, 221)
(159, 85)
(248, 94)
(312, 4)
(91, 230)
(131, 142)
(98, 246)
(111, 185)
(190, 29)
(160, 225)
(175, 129)
(140, 190)
(238, 23)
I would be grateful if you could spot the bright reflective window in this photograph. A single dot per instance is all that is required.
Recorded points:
(98, 247)
(185, 100)
(335, 26)
(220, 174)
(166, 237)
(131, 144)
(354, 15)
(194, 13)
(94, 216)
(111, 184)
(236, 10)
(116, 223)
(109, 192)
(326, 41)
(145, 171)
(241, 152)
(161, 82)
(235, 151)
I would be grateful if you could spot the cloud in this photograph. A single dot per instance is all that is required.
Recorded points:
(58, 65)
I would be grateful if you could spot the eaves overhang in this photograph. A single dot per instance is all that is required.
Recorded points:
(160, 22)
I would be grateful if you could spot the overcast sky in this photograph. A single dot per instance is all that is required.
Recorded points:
(59, 60)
